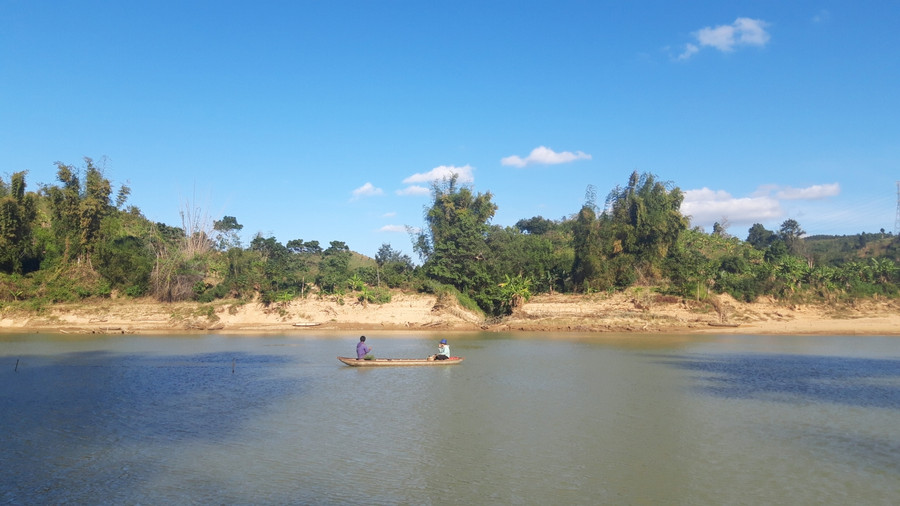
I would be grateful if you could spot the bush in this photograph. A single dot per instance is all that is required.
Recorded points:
(375, 295)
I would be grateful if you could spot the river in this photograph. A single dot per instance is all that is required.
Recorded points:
(526, 419)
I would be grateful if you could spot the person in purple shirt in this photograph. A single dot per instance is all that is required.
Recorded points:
(363, 351)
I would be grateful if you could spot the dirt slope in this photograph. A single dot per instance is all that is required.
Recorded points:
(633, 311)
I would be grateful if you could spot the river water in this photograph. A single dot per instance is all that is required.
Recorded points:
(526, 419)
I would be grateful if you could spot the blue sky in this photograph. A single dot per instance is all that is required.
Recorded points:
(327, 120)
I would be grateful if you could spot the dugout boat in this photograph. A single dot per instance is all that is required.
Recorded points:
(388, 362)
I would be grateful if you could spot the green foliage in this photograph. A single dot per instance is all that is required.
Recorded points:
(537, 225)
(78, 209)
(644, 218)
(68, 241)
(790, 232)
(18, 249)
(393, 268)
(126, 263)
(123, 256)
(587, 245)
(374, 295)
(226, 233)
(546, 258)
(454, 243)
(631, 239)
(355, 283)
(334, 267)
(514, 292)
(274, 270)
(759, 237)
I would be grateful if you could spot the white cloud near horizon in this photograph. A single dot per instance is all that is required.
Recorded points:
(814, 192)
(441, 172)
(366, 190)
(413, 190)
(464, 175)
(725, 38)
(400, 228)
(706, 206)
(544, 156)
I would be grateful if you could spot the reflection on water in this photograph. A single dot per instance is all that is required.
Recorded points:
(527, 419)
(868, 382)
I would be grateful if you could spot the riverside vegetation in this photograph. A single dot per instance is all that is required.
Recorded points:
(77, 240)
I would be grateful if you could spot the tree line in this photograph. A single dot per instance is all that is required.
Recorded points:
(77, 239)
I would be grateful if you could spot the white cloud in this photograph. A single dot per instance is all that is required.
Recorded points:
(725, 38)
(814, 192)
(400, 228)
(414, 190)
(689, 50)
(545, 156)
(706, 206)
(389, 214)
(464, 175)
(441, 172)
(366, 190)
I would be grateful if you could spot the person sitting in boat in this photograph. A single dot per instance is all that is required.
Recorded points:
(443, 350)
(363, 351)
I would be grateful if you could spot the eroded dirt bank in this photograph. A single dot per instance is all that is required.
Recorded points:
(621, 312)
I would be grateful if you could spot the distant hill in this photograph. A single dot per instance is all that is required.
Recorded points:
(839, 249)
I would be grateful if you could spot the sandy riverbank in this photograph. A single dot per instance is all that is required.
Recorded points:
(621, 312)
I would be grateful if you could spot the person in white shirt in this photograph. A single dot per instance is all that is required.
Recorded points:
(443, 350)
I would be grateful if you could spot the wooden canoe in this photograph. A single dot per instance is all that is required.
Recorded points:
(381, 362)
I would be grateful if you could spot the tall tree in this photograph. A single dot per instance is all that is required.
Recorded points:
(645, 220)
(17, 214)
(586, 243)
(227, 233)
(334, 269)
(394, 267)
(720, 229)
(759, 237)
(537, 225)
(78, 210)
(790, 232)
(454, 243)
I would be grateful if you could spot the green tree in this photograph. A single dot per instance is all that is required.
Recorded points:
(790, 232)
(126, 263)
(545, 258)
(17, 215)
(759, 237)
(394, 267)
(537, 225)
(334, 269)
(720, 229)
(281, 276)
(453, 244)
(78, 209)
(689, 268)
(227, 236)
(587, 264)
(644, 222)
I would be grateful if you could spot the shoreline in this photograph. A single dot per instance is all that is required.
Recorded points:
(595, 314)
